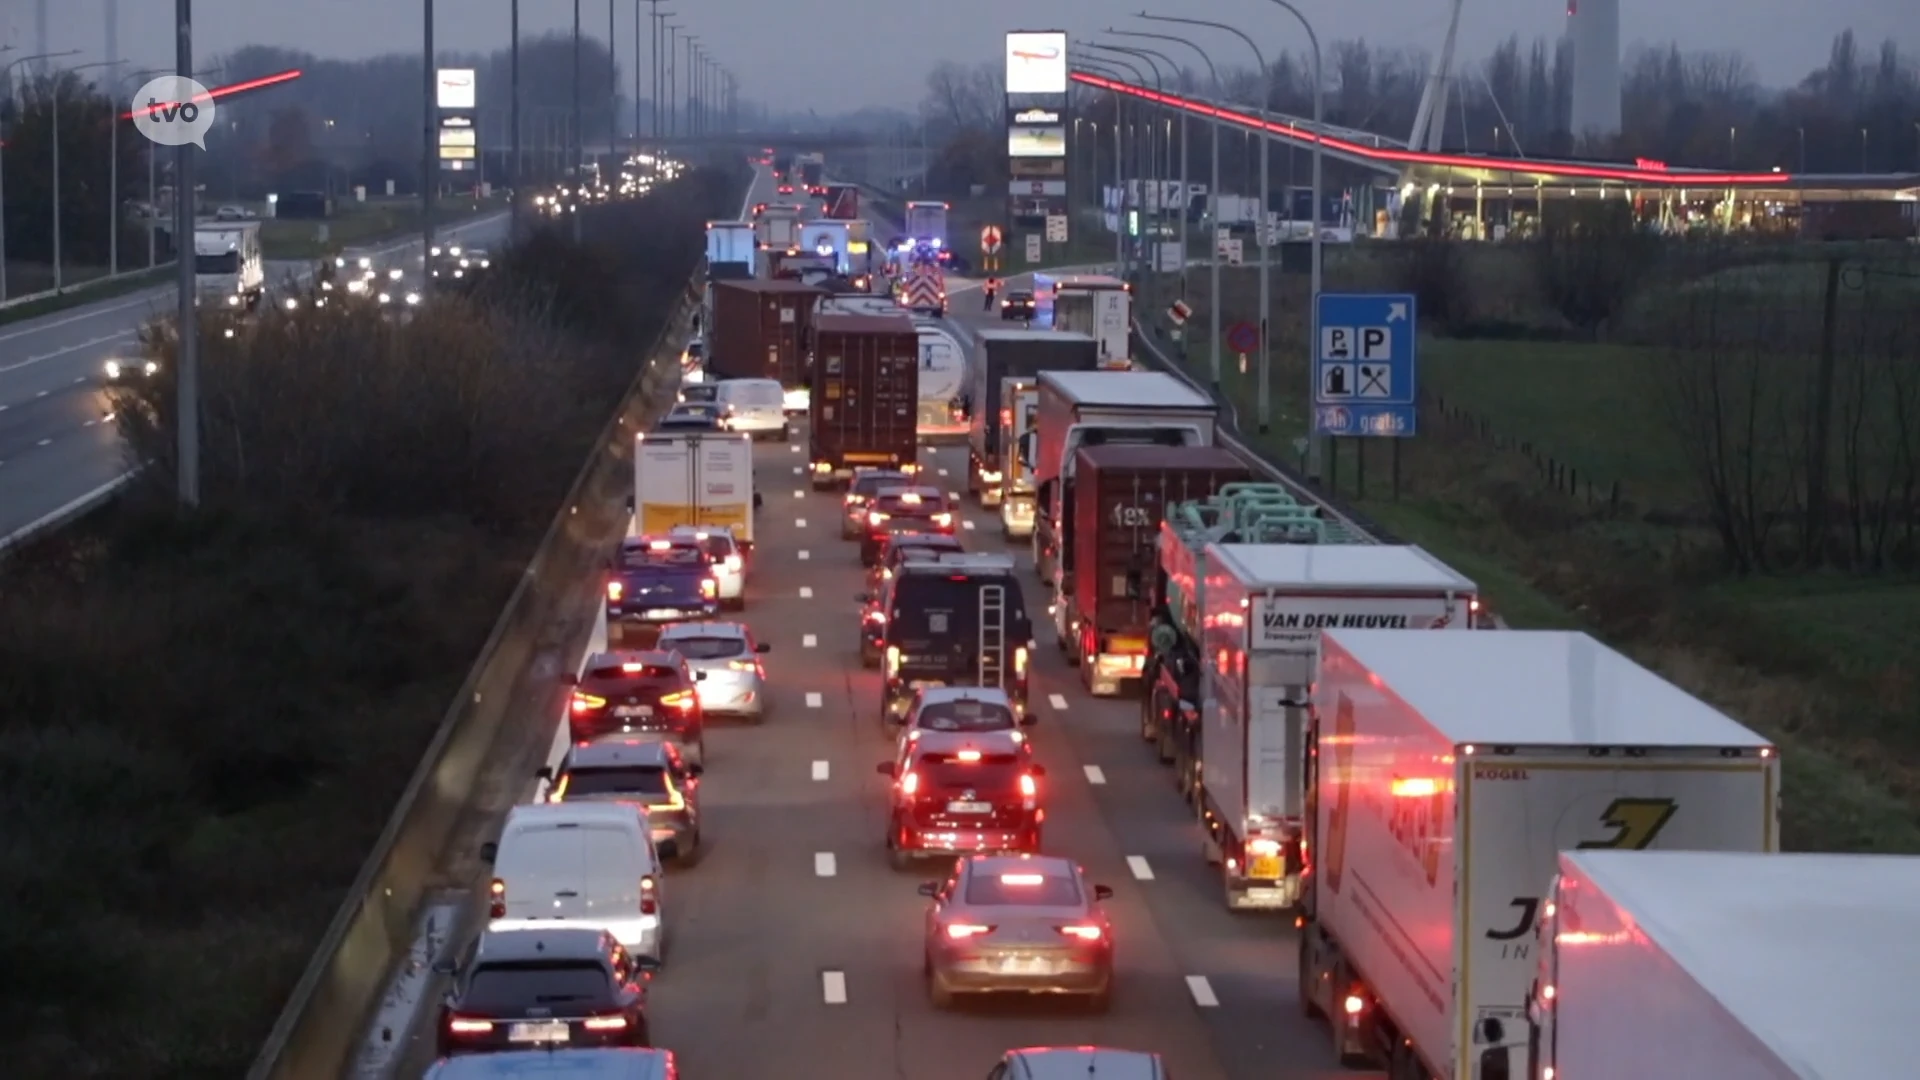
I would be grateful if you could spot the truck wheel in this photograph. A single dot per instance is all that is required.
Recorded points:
(1309, 1007)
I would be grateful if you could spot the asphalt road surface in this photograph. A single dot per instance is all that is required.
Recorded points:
(795, 950)
(56, 447)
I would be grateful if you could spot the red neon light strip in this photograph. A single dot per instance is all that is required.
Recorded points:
(1418, 157)
(230, 89)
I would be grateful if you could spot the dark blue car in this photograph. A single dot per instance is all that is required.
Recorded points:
(655, 582)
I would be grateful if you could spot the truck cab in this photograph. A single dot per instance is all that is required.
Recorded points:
(229, 269)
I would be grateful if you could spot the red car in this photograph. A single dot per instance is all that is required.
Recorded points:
(963, 792)
(904, 509)
(638, 693)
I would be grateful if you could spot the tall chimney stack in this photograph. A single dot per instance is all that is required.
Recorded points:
(1593, 26)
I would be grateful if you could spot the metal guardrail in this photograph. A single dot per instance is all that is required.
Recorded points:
(70, 513)
(319, 1030)
(81, 287)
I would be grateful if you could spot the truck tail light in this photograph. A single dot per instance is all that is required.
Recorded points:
(709, 588)
(893, 660)
(649, 896)
(497, 899)
(615, 590)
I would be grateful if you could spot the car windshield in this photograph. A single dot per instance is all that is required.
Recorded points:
(226, 262)
(511, 987)
(989, 774)
(866, 484)
(966, 716)
(700, 410)
(644, 780)
(1037, 889)
(711, 647)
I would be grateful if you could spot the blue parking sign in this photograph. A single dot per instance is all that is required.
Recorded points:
(1364, 364)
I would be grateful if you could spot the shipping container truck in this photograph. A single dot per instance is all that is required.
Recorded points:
(1093, 408)
(733, 251)
(694, 478)
(1447, 772)
(1120, 496)
(1019, 404)
(1267, 604)
(866, 396)
(764, 330)
(1719, 964)
(998, 354)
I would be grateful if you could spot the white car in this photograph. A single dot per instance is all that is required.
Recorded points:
(733, 680)
(723, 553)
(756, 406)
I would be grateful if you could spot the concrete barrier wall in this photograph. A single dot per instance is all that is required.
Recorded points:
(319, 1030)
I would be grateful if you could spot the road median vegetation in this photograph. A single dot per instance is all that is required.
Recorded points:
(206, 717)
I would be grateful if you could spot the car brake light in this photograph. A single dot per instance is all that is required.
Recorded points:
(943, 520)
(1027, 788)
(708, 587)
(497, 899)
(679, 699)
(631, 668)
(875, 518)
(1084, 933)
(1023, 879)
(962, 931)
(605, 1023)
(587, 702)
(461, 1025)
(660, 545)
(968, 755)
(615, 589)
(910, 783)
(649, 896)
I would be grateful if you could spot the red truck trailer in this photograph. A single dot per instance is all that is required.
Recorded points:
(1119, 496)
(843, 202)
(762, 330)
(865, 397)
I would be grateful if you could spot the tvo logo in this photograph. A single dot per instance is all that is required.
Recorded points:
(174, 111)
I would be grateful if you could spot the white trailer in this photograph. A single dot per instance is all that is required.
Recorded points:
(1263, 608)
(1102, 309)
(229, 267)
(694, 478)
(1446, 774)
(1019, 404)
(1710, 964)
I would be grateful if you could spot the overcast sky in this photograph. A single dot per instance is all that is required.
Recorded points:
(843, 54)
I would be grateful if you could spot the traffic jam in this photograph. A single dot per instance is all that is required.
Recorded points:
(939, 670)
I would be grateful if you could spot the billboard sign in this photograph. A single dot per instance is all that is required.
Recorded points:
(1037, 62)
(1018, 167)
(1035, 118)
(1056, 188)
(454, 89)
(1037, 142)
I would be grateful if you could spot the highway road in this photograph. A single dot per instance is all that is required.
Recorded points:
(795, 949)
(56, 447)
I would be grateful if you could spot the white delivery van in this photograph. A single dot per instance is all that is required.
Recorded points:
(693, 478)
(578, 864)
(756, 406)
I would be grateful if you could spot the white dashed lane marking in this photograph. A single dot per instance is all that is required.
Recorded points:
(823, 864)
(804, 556)
(1094, 775)
(1138, 866)
(806, 592)
(799, 494)
(966, 524)
(833, 987)
(1202, 992)
(814, 701)
(1057, 701)
(943, 472)
(809, 641)
(795, 448)
(821, 770)
(797, 470)
(799, 523)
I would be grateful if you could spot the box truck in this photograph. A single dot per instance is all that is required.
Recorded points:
(694, 478)
(1695, 964)
(1447, 772)
(997, 355)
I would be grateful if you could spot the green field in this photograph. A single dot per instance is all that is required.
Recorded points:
(1566, 480)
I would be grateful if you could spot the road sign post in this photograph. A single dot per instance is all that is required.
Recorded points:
(1033, 248)
(1243, 338)
(1365, 351)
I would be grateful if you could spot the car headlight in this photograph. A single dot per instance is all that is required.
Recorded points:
(113, 369)
(356, 286)
(234, 300)
(413, 298)
(386, 298)
(366, 263)
(394, 274)
(291, 303)
(153, 367)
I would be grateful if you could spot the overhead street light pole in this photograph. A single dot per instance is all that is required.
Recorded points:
(187, 381)
(1264, 407)
(429, 149)
(6, 87)
(1122, 197)
(113, 182)
(673, 78)
(575, 142)
(513, 162)
(1143, 150)
(1213, 207)
(1155, 59)
(59, 281)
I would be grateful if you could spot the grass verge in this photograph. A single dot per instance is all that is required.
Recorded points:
(1551, 473)
(206, 718)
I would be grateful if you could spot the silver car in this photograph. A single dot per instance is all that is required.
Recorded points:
(732, 680)
(1018, 924)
